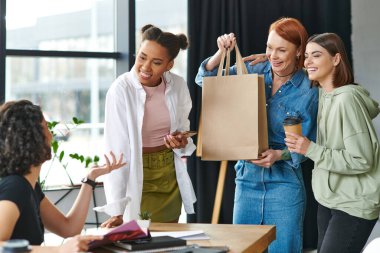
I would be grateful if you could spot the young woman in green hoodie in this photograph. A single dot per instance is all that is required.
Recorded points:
(346, 175)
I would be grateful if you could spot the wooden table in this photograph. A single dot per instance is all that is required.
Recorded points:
(239, 238)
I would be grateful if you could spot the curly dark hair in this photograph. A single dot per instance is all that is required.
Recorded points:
(22, 138)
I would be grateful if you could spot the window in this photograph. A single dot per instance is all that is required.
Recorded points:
(69, 25)
(61, 55)
(169, 15)
(64, 54)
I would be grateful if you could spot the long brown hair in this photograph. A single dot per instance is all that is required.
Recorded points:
(334, 45)
(293, 31)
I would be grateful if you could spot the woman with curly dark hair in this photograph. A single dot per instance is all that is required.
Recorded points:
(23, 142)
(24, 147)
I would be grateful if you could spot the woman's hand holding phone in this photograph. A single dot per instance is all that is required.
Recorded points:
(178, 139)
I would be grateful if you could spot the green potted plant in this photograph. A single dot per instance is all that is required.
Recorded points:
(145, 218)
(61, 161)
(58, 154)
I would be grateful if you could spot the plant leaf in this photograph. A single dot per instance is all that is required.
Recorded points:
(88, 161)
(42, 184)
(52, 124)
(77, 121)
(54, 145)
(61, 155)
(145, 215)
(75, 156)
(53, 133)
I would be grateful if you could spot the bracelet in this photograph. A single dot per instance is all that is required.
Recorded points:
(88, 181)
(285, 154)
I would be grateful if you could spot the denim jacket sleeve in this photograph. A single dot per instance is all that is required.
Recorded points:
(309, 125)
(203, 72)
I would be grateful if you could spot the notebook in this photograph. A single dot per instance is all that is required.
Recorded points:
(115, 249)
(153, 243)
(126, 231)
(193, 248)
(185, 235)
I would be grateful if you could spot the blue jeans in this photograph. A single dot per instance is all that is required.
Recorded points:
(273, 196)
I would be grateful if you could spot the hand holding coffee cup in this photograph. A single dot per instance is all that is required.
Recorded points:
(294, 139)
(292, 125)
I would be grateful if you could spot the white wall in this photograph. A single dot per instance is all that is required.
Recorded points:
(366, 55)
(366, 47)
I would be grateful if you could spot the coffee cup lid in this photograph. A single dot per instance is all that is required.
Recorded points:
(16, 245)
(291, 121)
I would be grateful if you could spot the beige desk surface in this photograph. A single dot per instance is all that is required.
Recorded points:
(239, 238)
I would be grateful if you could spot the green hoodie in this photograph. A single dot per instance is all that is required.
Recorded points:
(346, 174)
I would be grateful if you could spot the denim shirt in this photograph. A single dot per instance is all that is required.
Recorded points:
(296, 98)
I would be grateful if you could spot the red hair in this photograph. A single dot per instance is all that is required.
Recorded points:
(293, 31)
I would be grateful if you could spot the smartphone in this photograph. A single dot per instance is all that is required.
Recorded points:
(189, 133)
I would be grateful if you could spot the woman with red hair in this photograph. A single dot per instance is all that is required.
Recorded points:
(270, 190)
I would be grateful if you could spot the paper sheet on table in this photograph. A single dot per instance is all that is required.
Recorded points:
(185, 235)
(102, 231)
(96, 231)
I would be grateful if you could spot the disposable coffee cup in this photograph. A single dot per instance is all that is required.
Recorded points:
(16, 246)
(292, 125)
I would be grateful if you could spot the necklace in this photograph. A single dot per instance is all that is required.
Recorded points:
(284, 75)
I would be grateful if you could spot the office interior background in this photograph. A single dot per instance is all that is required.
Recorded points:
(64, 54)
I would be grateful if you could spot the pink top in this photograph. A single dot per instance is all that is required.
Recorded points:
(156, 123)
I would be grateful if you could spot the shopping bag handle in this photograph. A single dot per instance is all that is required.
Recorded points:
(241, 69)
(225, 56)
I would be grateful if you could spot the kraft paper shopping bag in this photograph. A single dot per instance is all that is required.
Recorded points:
(234, 119)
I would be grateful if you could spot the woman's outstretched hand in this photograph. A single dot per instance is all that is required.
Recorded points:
(114, 221)
(255, 58)
(114, 164)
(226, 41)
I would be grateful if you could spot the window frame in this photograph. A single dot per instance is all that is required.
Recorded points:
(124, 43)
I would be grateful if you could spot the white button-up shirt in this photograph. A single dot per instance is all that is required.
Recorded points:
(124, 113)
